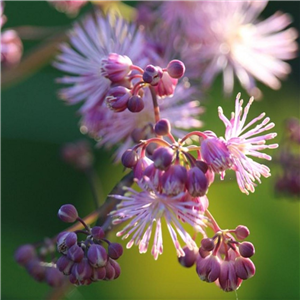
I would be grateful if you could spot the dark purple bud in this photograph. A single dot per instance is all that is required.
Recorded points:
(117, 98)
(115, 67)
(135, 104)
(24, 254)
(36, 270)
(110, 271)
(174, 179)
(196, 183)
(203, 252)
(244, 268)
(162, 127)
(68, 213)
(162, 157)
(64, 265)
(150, 149)
(207, 244)
(115, 250)
(98, 274)
(152, 75)
(82, 270)
(228, 279)
(116, 267)
(151, 178)
(129, 158)
(202, 165)
(189, 259)
(61, 242)
(54, 277)
(140, 167)
(246, 249)
(97, 233)
(97, 256)
(241, 232)
(137, 135)
(208, 268)
(176, 68)
(71, 239)
(75, 253)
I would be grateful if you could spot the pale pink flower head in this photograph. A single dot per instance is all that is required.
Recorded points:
(147, 209)
(234, 150)
(69, 7)
(234, 42)
(92, 43)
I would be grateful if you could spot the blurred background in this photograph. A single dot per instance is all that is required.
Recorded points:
(36, 182)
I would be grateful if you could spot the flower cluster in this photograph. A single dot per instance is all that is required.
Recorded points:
(86, 261)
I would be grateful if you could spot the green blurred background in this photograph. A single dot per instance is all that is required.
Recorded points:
(35, 183)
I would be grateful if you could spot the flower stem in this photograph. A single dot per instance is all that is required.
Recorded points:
(155, 104)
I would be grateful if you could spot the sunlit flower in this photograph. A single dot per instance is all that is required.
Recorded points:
(232, 41)
(148, 207)
(233, 151)
(116, 128)
(91, 42)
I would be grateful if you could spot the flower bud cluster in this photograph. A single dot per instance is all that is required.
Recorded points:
(224, 260)
(86, 261)
(129, 80)
(33, 261)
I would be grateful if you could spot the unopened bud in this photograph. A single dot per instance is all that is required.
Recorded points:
(162, 127)
(97, 256)
(196, 183)
(162, 157)
(246, 249)
(129, 158)
(152, 75)
(117, 98)
(97, 232)
(68, 213)
(241, 232)
(208, 268)
(24, 254)
(53, 277)
(207, 244)
(115, 250)
(75, 253)
(176, 68)
(189, 259)
(135, 104)
(244, 268)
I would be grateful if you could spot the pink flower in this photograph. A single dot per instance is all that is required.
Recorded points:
(148, 207)
(232, 41)
(233, 151)
(69, 7)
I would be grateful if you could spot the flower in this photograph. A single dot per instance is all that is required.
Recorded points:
(112, 129)
(92, 41)
(149, 206)
(233, 151)
(233, 41)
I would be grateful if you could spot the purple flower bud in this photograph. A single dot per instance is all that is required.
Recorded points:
(140, 167)
(207, 244)
(75, 253)
(64, 265)
(246, 249)
(152, 75)
(151, 178)
(166, 86)
(135, 104)
(176, 68)
(68, 213)
(216, 155)
(162, 127)
(196, 183)
(138, 134)
(189, 259)
(241, 232)
(203, 253)
(202, 165)
(117, 98)
(116, 267)
(228, 279)
(244, 268)
(98, 274)
(82, 270)
(97, 256)
(115, 250)
(174, 179)
(162, 157)
(71, 239)
(24, 254)
(208, 268)
(61, 242)
(36, 270)
(150, 148)
(110, 271)
(53, 277)
(129, 158)
(77, 282)
(115, 67)
(97, 233)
